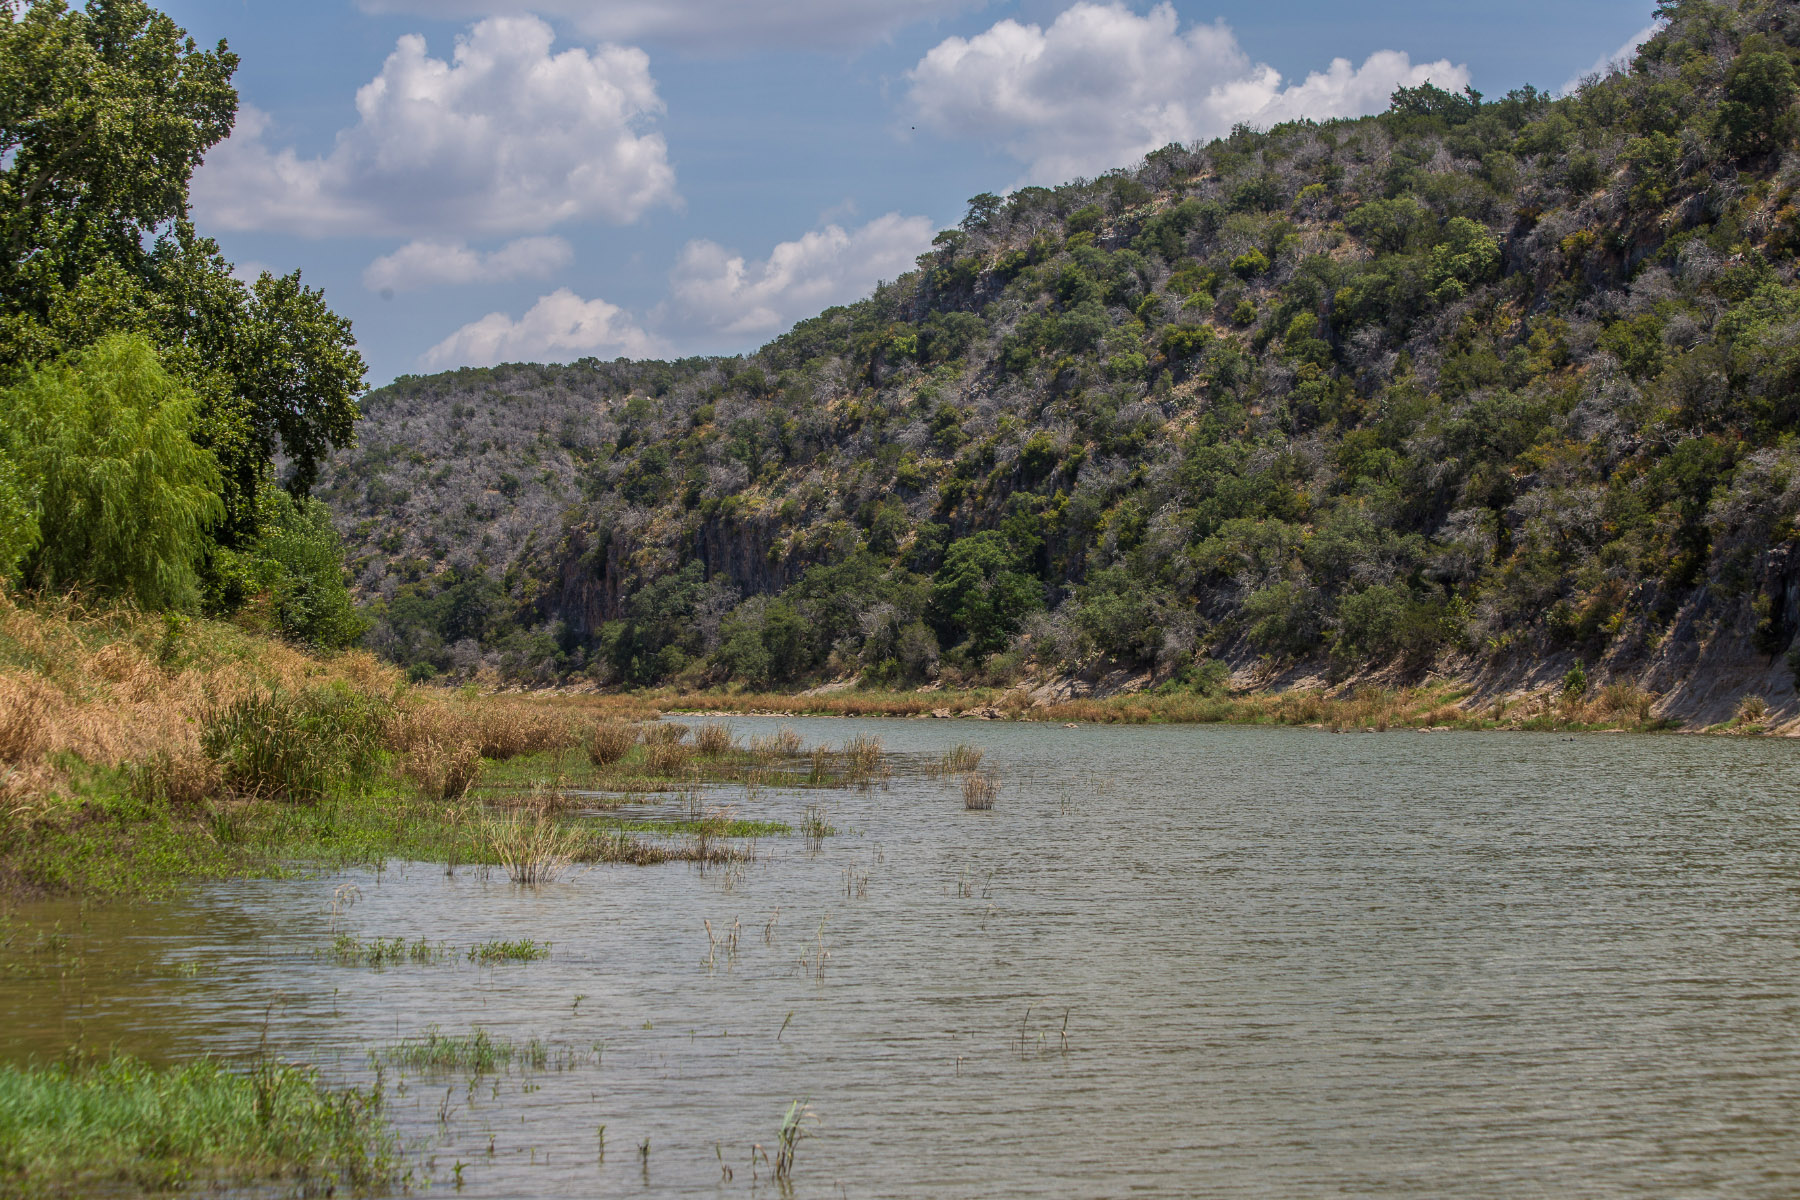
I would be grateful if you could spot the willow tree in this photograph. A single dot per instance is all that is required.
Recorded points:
(117, 492)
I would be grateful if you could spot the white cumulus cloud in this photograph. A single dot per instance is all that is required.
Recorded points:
(706, 24)
(1102, 86)
(719, 302)
(506, 136)
(558, 328)
(426, 264)
(720, 292)
(1620, 57)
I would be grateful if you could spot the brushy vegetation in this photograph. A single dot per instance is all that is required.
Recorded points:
(137, 752)
(73, 1129)
(1474, 380)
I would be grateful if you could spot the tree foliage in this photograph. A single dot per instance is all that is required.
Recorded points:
(119, 493)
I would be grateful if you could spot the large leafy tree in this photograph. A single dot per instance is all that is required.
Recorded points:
(104, 115)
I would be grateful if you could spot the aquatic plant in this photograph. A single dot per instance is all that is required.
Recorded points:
(522, 950)
(533, 847)
(350, 952)
(813, 827)
(793, 1128)
(979, 790)
(961, 759)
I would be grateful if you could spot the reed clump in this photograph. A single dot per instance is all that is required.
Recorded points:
(667, 758)
(783, 743)
(1752, 710)
(864, 760)
(180, 777)
(442, 772)
(610, 742)
(961, 759)
(713, 740)
(664, 733)
(296, 745)
(980, 789)
(533, 847)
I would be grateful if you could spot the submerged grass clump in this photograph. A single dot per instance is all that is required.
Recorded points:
(523, 950)
(980, 790)
(347, 951)
(91, 1128)
(961, 759)
(481, 1053)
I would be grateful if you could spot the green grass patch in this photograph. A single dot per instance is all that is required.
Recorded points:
(524, 950)
(73, 1129)
(347, 951)
(481, 1053)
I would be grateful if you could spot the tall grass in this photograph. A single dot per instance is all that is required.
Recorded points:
(119, 1125)
(296, 745)
(713, 740)
(979, 791)
(442, 772)
(610, 742)
(532, 846)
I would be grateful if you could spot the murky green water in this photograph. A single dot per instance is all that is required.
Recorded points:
(1172, 961)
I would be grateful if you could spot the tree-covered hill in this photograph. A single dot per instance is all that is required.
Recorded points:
(1479, 384)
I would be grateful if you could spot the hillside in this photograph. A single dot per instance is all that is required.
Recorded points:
(1475, 387)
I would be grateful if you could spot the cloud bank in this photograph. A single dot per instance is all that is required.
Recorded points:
(711, 25)
(1102, 86)
(507, 136)
(559, 327)
(716, 291)
(717, 298)
(426, 264)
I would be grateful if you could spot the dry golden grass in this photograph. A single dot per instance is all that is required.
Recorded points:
(442, 772)
(664, 733)
(611, 741)
(979, 791)
(499, 727)
(713, 739)
(667, 758)
(116, 687)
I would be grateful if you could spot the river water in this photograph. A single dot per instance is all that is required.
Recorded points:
(1172, 961)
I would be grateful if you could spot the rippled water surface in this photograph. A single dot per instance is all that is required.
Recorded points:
(1171, 961)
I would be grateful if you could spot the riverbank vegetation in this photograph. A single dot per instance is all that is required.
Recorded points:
(140, 750)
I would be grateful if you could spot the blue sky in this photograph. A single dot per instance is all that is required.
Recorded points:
(475, 181)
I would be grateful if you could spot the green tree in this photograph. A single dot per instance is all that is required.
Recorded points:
(105, 112)
(121, 496)
(981, 595)
(298, 563)
(1759, 91)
